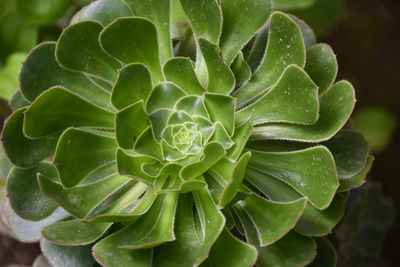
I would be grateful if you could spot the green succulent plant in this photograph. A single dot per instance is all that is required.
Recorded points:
(128, 153)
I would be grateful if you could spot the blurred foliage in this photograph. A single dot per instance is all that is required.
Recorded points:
(42, 11)
(9, 74)
(361, 235)
(376, 124)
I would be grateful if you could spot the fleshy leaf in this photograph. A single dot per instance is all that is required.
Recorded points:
(322, 66)
(158, 11)
(103, 11)
(153, 228)
(41, 71)
(336, 106)
(202, 11)
(350, 151)
(78, 49)
(133, 166)
(133, 84)
(80, 152)
(108, 253)
(326, 254)
(294, 99)
(25, 195)
(309, 37)
(133, 40)
(74, 233)
(18, 101)
(213, 152)
(291, 4)
(129, 124)
(29, 231)
(321, 222)
(57, 109)
(241, 20)
(229, 251)
(193, 249)
(164, 95)
(241, 70)
(22, 151)
(272, 219)
(311, 172)
(232, 174)
(221, 109)
(291, 250)
(285, 47)
(181, 72)
(220, 77)
(57, 255)
(240, 138)
(81, 200)
(145, 144)
(358, 179)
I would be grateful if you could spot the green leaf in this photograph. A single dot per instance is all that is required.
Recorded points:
(291, 250)
(81, 200)
(291, 4)
(272, 219)
(322, 66)
(74, 233)
(193, 105)
(241, 70)
(41, 71)
(181, 72)
(22, 151)
(103, 11)
(241, 20)
(78, 49)
(220, 77)
(221, 109)
(158, 11)
(24, 193)
(133, 84)
(309, 37)
(293, 99)
(57, 109)
(229, 251)
(133, 40)
(79, 256)
(285, 47)
(232, 174)
(241, 136)
(350, 151)
(9, 74)
(164, 95)
(153, 228)
(108, 253)
(192, 246)
(133, 166)
(199, 12)
(80, 152)
(145, 144)
(5, 167)
(18, 101)
(336, 106)
(213, 152)
(42, 12)
(358, 179)
(326, 254)
(321, 222)
(129, 124)
(311, 172)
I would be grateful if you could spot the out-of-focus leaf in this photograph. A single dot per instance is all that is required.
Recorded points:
(9, 74)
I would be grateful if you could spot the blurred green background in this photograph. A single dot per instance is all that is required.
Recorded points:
(365, 35)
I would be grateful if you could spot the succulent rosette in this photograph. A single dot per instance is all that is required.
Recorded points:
(126, 152)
